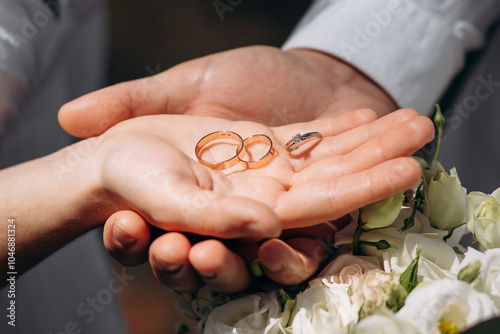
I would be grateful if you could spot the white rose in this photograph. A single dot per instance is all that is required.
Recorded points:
(346, 271)
(321, 309)
(484, 218)
(391, 234)
(488, 280)
(373, 289)
(437, 258)
(346, 268)
(449, 303)
(384, 322)
(256, 313)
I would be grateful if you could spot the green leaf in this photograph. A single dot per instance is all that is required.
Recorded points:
(470, 272)
(408, 278)
(457, 250)
(396, 295)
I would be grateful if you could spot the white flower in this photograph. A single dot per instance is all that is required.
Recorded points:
(484, 218)
(373, 290)
(384, 322)
(445, 198)
(446, 302)
(437, 258)
(346, 271)
(256, 313)
(391, 234)
(488, 280)
(321, 309)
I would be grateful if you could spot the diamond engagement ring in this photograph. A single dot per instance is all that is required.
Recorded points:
(298, 140)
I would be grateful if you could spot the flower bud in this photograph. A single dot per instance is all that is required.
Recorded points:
(438, 117)
(396, 295)
(381, 214)
(484, 218)
(445, 198)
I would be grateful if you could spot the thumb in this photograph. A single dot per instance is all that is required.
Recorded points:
(220, 217)
(94, 113)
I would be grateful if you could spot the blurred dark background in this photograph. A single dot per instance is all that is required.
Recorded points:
(158, 35)
(165, 33)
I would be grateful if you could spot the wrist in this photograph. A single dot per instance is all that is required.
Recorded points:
(53, 200)
(351, 88)
(68, 184)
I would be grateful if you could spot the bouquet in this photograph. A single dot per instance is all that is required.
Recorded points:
(403, 265)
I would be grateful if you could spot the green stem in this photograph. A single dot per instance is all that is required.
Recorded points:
(440, 134)
(438, 123)
(356, 242)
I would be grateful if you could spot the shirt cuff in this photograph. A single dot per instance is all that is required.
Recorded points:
(411, 48)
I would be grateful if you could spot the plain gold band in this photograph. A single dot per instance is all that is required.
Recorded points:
(266, 158)
(220, 135)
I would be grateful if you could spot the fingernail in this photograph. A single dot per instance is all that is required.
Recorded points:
(124, 239)
(207, 275)
(169, 268)
(273, 267)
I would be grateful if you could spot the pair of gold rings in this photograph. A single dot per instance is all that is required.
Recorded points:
(243, 145)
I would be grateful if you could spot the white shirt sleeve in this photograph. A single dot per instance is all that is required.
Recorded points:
(34, 42)
(411, 48)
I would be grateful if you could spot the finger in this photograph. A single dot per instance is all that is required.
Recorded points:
(335, 197)
(323, 231)
(348, 141)
(221, 269)
(386, 146)
(94, 113)
(292, 262)
(169, 259)
(126, 236)
(208, 213)
(331, 126)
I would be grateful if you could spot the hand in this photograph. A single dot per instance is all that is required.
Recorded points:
(222, 265)
(187, 266)
(261, 84)
(278, 88)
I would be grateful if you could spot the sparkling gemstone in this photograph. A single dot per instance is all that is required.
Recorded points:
(296, 137)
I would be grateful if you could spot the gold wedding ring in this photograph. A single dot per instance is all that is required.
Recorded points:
(201, 147)
(241, 150)
(266, 158)
(298, 140)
